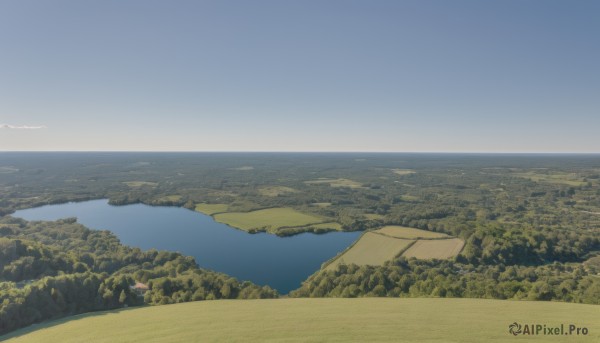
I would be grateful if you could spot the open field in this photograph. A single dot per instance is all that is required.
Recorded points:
(273, 191)
(555, 177)
(136, 184)
(373, 216)
(211, 209)
(409, 233)
(371, 249)
(269, 219)
(403, 171)
(336, 183)
(376, 247)
(320, 320)
(439, 248)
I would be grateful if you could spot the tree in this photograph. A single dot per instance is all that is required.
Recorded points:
(122, 297)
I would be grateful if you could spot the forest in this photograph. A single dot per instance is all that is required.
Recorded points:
(53, 269)
(530, 223)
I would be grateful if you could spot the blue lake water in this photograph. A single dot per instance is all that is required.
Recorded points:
(280, 262)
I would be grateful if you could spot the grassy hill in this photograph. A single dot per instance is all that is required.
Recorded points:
(320, 320)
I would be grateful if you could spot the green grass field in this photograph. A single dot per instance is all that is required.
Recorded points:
(409, 233)
(438, 248)
(336, 183)
(371, 249)
(555, 177)
(270, 219)
(320, 320)
(376, 247)
(402, 172)
(136, 184)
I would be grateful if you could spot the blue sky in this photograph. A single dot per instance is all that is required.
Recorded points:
(456, 76)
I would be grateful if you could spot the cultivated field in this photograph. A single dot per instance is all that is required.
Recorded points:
(211, 209)
(371, 249)
(136, 184)
(409, 233)
(403, 171)
(336, 183)
(269, 219)
(439, 248)
(320, 320)
(570, 179)
(376, 247)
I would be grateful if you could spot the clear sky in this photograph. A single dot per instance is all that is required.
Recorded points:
(456, 76)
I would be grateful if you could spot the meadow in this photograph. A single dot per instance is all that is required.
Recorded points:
(570, 179)
(409, 233)
(336, 183)
(439, 248)
(318, 320)
(371, 249)
(269, 219)
(376, 247)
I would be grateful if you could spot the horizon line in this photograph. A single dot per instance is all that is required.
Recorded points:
(309, 152)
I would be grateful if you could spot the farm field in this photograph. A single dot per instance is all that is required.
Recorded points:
(409, 233)
(376, 247)
(318, 320)
(336, 183)
(439, 248)
(270, 219)
(554, 177)
(403, 171)
(371, 249)
(136, 184)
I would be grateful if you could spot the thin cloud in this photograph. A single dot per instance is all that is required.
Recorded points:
(22, 127)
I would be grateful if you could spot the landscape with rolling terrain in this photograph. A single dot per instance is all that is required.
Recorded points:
(317, 320)
(299, 171)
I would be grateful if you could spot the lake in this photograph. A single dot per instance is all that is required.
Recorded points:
(265, 259)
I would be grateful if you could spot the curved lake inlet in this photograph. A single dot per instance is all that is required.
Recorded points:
(280, 262)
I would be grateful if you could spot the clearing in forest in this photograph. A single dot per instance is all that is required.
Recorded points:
(273, 191)
(135, 184)
(570, 179)
(335, 183)
(403, 171)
